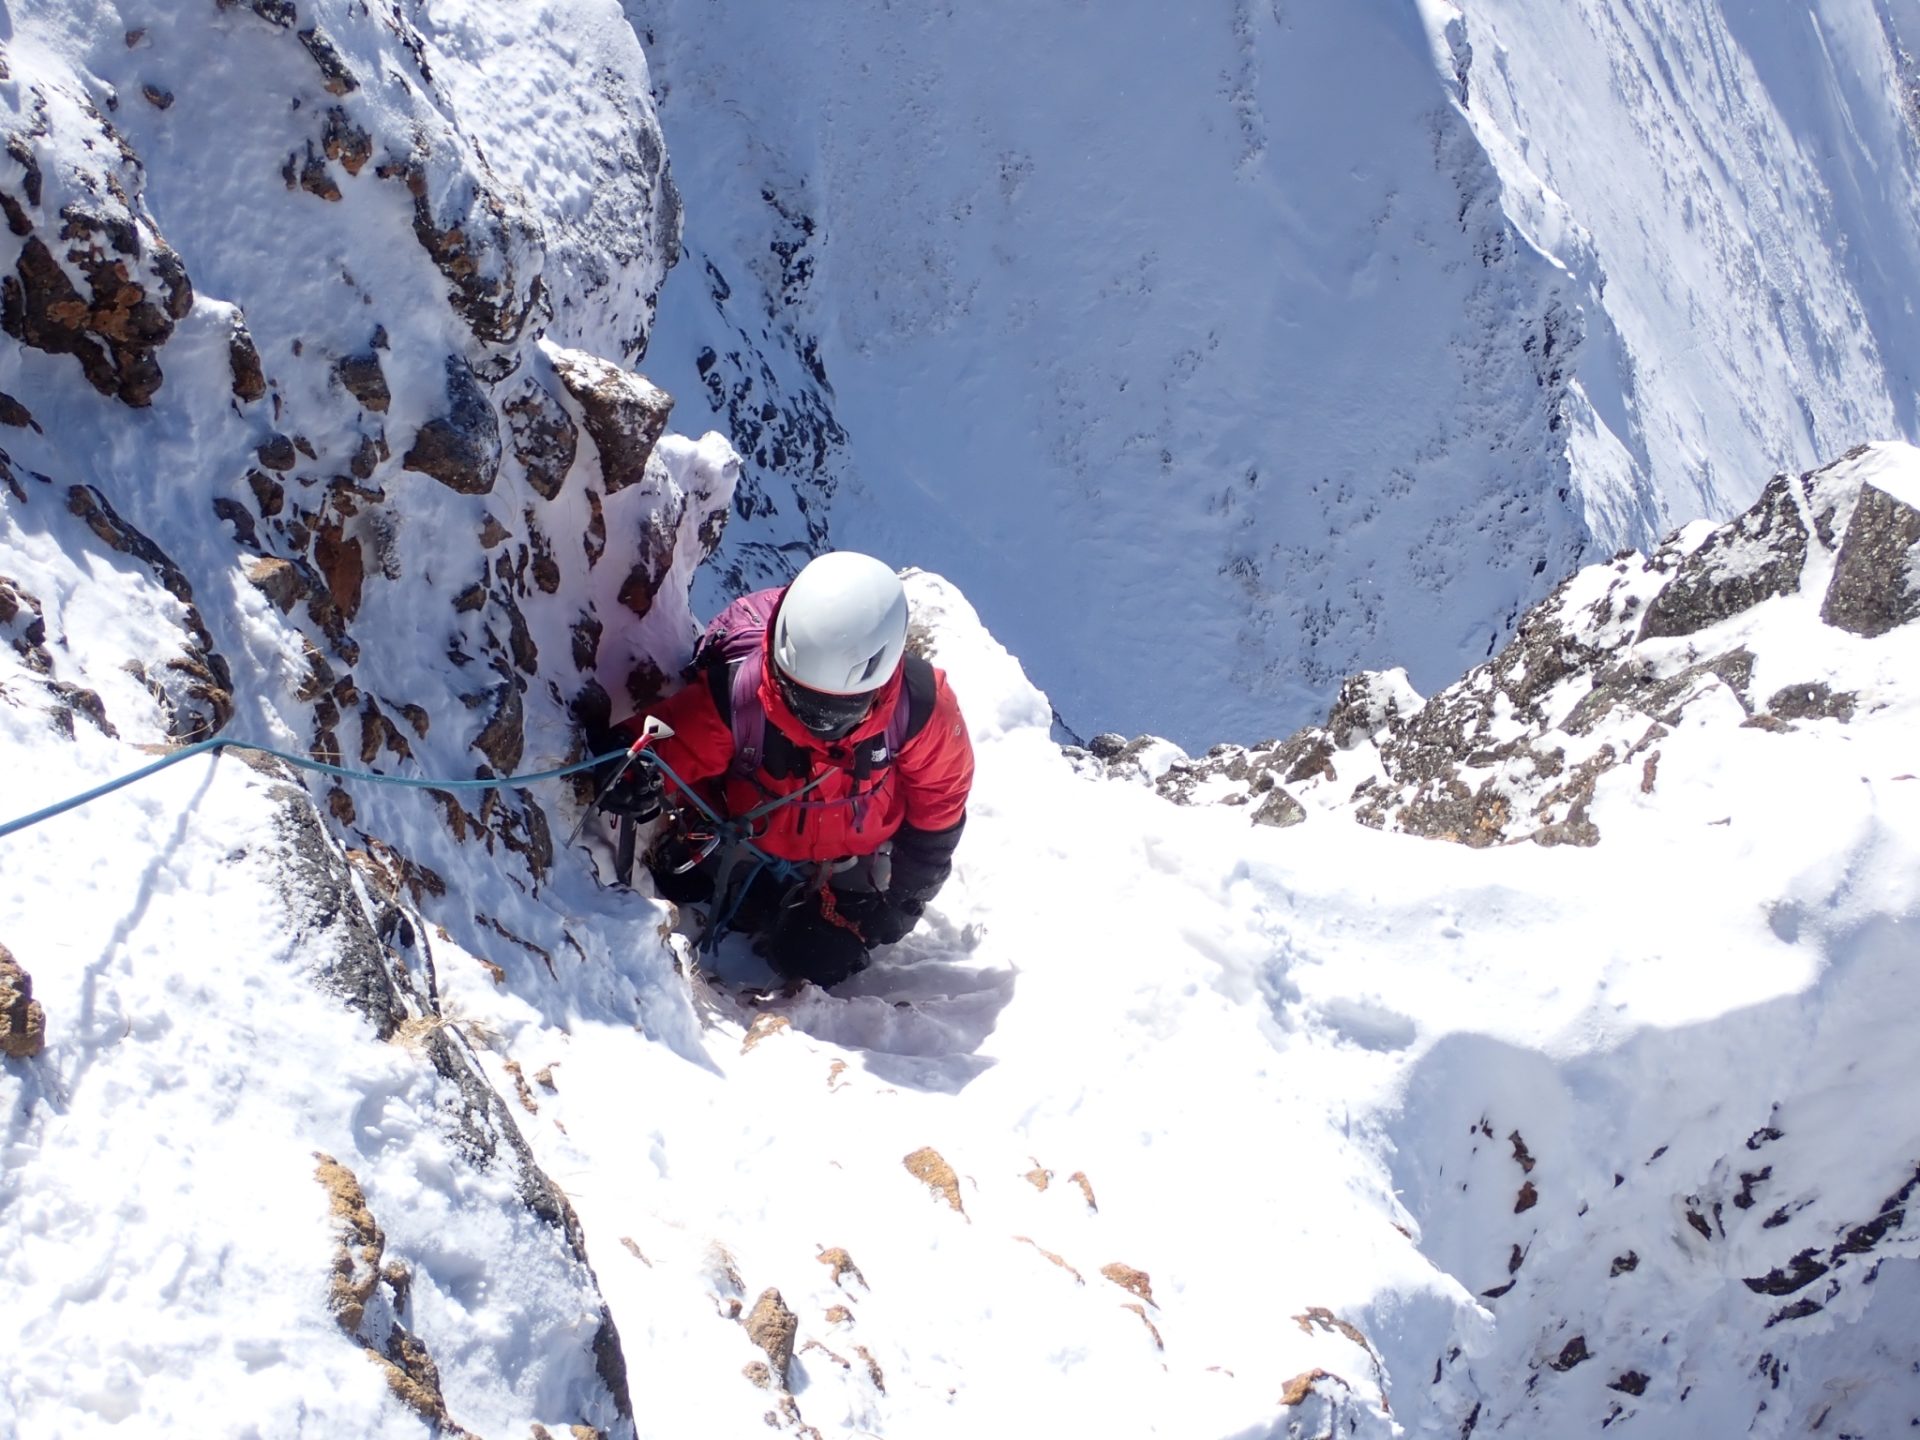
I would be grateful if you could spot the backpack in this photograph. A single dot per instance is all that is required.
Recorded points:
(730, 655)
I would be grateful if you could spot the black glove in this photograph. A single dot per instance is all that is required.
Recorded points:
(637, 794)
(883, 919)
(893, 923)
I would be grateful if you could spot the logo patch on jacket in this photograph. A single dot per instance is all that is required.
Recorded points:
(880, 753)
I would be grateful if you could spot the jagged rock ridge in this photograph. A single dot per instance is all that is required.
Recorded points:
(1594, 678)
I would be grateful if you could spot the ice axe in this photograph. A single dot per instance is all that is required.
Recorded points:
(653, 729)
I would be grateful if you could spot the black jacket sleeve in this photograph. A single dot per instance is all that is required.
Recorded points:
(922, 860)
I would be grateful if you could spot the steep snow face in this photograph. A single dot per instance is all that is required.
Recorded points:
(1747, 181)
(1187, 340)
(1244, 348)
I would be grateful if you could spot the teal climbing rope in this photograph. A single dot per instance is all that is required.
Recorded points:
(303, 762)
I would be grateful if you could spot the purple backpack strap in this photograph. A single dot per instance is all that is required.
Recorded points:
(748, 715)
(731, 650)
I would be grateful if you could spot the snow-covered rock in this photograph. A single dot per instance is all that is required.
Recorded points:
(1765, 623)
(294, 294)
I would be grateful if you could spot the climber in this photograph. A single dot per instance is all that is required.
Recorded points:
(805, 722)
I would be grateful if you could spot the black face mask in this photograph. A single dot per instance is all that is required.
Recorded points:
(831, 717)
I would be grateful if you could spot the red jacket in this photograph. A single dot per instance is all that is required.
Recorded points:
(922, 790)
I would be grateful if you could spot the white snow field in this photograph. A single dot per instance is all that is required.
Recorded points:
(1219, 350)
(340, 1108)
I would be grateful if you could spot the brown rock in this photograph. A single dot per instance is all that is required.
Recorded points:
(625, 414)
(101, 518)
(546, 569)
(316, 178)
(241, 518)
(137, 288)
(277, 453)
(1571, 1354)
(1058, 1260)
(23, 1023)
(1152, 1329)
(503, 738)
(543, 436)
(346, 143)
(362, 378)
(1079, 1177)
(586, 643)
(335, 77)
(13, 413)
(841, 1264)
(1135, 1282)
(269, 496)
(342, 565)
(762, 1027)
(415, 1379)
(475, 242)
(1296, 1390)
(356, 1266)
(460, 449)
(772, 1326)
(279, 581)
(594, 538)
(367, 456)
(927, 1165)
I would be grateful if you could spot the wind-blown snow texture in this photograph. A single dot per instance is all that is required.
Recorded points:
(1243, 346)
(366, 1111)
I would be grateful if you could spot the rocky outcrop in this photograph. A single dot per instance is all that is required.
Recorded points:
(461, 447)
(243, 359)
(94, 278)
(543, 436)
(1758, 556)
(194, 688)
(370, 963)
(1876, 579)
(1594, 679)
(23, 1024)
(625, 415)
(362, 377)
(369, 1300)
(480, 243)
(773, 1327)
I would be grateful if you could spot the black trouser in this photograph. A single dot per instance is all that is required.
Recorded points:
(789, 917)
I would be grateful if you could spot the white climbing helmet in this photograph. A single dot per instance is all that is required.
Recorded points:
(842, 627)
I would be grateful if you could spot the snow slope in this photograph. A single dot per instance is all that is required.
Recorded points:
(1262, 343)
(369, 1110)
(1188, 1126)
